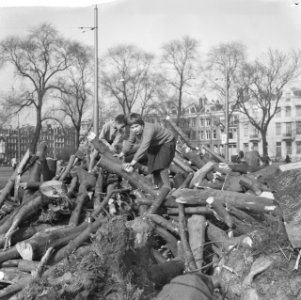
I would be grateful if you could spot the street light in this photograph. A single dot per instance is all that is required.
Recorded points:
(96, 105)
(227, 115)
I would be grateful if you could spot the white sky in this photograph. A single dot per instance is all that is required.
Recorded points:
(149, 23)
(259, 24)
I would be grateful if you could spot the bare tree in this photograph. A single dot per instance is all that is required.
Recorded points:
(179, 63)
(262, 85)
(74, 92)
(149, 92)
(224, 63)
(124, 71)
(37, 59)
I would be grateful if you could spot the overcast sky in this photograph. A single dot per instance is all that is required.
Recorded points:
(149, 23)
(259, 24)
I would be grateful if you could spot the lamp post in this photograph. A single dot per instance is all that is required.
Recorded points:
(95, 104)
(227, 114)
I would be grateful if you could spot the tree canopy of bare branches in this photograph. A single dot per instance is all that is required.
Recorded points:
(262, 83)
(224, 63)
(75, 88)
(37, 59)
(124, 74)
(179, 62)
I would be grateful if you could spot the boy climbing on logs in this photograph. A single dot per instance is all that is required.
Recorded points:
(157, 142)
(112, 135)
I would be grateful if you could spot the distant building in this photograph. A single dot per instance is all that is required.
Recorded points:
(60, 143)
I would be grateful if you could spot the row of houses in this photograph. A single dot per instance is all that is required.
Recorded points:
(203, 122)
(14, 142)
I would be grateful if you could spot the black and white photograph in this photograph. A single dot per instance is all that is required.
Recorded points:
(150, 150)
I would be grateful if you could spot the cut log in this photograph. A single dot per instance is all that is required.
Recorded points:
(78, 240)
(164, 223)
(196, 228)
(181, 163)
(187, 180)
(239, 200)
(221, 240)
(189, 258)
(201, 173)
(194, 158)
(134, 179)
(87, 182)
(68, 168)
(222, 213)
(23, 234)
(35, 247)
(8, 254)
(171, 241)
(251, 184)
(26, 210)
(191, 211)
(163, 192)
(11, 181)
(180, 132)
(12, 274)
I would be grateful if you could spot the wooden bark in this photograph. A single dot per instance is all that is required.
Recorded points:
(221, 211)
(35, 247)
(201, 173)
(194, 158)
(164, 223)
(239, 200)
(110, 192)
(78, 240)
(221, 240)
(170, 239)
(69, 166)
(196, 228)
(189, 259)
(8, 254)
(36, 171)
(11, 181)
(23, 234)
(27, 265)
(164, 191)
(134, 179)
(180, 132)
(181, 163)
(191, 211)
(186, 182)
(12, 274)
(174, 168)
(251, 184)
(87, 182)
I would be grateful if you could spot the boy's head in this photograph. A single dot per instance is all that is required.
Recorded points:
(136, 123)
(120, 121)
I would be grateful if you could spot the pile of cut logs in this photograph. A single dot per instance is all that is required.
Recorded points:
(48, 211)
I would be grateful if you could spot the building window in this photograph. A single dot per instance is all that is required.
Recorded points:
(202, 135)
(288, 111)
(289, 129)
(214, 134)
(202, 122)
(278, 129)
(278, 112)
(208, 122)
(288, 147)
(298, 150)
(246, 147)
(298, 127)
(193, 122)
(207, 134)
